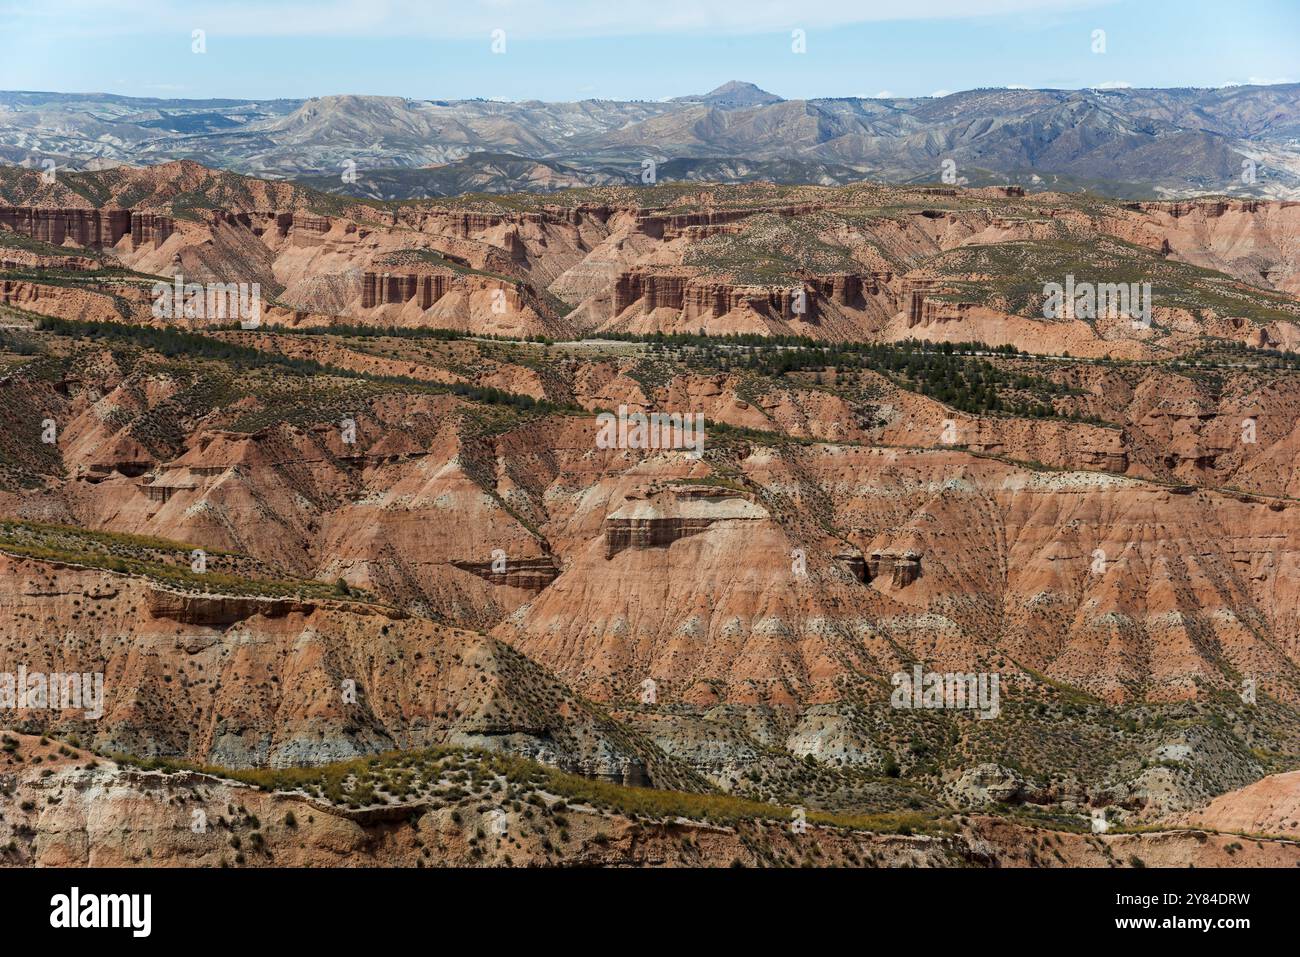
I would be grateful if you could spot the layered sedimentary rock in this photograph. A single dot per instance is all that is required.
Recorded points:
(95, 228)
(659, 519)
(901, 569)
(271, 222)
(1269, 806)
(915, 293)
(670, 226)
(62, 810)
(467, 224)
(530, 574)
(151, 228)
(67, 302)
(244, 680)
(217, 610)
(698, 298)
(86, 227)
(855, 562)
(425, 289)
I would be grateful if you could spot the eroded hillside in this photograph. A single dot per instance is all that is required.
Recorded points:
(412, 533)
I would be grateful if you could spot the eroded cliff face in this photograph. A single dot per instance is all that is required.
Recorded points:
(963, 548)
(1256, 241)
(626, 564)
(670, 226)
(660, 518)
(83, 305)
(85, 811)
(245, 681)
(860, 258)
(465, 302)
(709, 299)
(94, 228)
(841, 530)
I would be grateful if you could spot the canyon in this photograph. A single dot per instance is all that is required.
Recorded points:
(413, 541)
(812, 262)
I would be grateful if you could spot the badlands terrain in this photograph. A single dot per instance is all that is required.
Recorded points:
(434, 620)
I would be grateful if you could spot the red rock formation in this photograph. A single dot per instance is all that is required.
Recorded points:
(151, 228)
(86, 227)
(915, 291)
(670, 226)
(532, 574)
(83, 304)
(1212, 209)
(902, 569)
(381, 289)
(221, 610)
(666, 517)
(698, 298)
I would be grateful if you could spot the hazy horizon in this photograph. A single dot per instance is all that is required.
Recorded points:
(829, 96)
(563, 52)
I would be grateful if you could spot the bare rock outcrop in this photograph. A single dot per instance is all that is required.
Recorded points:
(659, 519)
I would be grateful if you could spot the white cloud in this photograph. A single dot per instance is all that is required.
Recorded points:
(1266, 81)
(937, 94)
(467, 19)
(1114, 85)
(882, 95)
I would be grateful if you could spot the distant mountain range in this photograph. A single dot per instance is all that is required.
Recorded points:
(1125, 142)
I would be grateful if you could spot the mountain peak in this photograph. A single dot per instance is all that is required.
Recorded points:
(733, 94)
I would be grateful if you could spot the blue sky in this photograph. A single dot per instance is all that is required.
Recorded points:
(637, 49)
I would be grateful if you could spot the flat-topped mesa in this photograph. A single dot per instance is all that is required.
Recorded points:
(1212, 208)
(667, 516)
(93, 228)
(667, 226)
(467, 224)
(902, 568)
